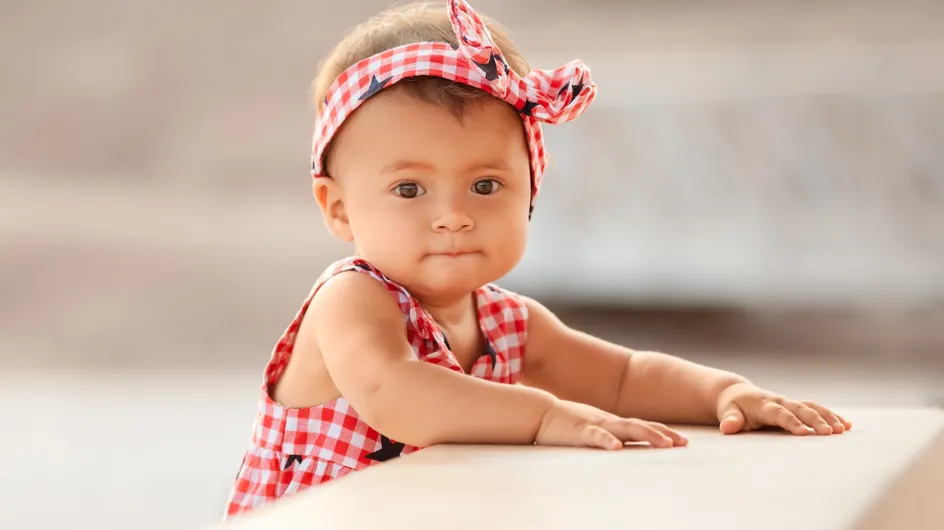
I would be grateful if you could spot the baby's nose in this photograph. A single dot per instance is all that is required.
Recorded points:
(453, 218)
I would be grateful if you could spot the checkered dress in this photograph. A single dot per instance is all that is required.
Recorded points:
(293, 449)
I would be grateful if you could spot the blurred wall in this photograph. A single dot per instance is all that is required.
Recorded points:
(154, 158)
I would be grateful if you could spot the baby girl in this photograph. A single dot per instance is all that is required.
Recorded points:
(428, 157)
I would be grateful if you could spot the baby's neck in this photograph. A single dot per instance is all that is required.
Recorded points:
(450, 312)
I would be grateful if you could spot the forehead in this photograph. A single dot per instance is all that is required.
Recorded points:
(394, 124)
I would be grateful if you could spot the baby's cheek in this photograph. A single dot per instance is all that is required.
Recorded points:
(510, 243)
(374, 235)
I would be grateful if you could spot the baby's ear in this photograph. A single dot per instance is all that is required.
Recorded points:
(327, 192)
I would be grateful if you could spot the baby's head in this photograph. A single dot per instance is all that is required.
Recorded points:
(431, 178)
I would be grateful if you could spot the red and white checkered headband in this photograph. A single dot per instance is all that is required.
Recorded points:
(556, 96)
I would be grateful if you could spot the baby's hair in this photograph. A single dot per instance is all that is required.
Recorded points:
(406, 24)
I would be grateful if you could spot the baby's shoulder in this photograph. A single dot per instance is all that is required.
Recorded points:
(349, 264)
(364, 269)
(350, 301)
(355, 280)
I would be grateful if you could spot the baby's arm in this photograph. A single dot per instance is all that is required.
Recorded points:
(361, 335)
(648, 385)
(658, 387)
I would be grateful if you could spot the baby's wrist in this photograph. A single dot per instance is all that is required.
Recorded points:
(548, 404)
(725, 388)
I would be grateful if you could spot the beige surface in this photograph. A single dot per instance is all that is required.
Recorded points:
(864, 479)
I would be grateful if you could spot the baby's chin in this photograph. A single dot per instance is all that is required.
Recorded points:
(429, 276)
(452, 276)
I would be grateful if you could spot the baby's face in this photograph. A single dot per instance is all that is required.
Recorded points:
(438, 204)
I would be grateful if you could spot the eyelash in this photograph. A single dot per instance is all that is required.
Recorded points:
(397, 190)
(409, 183)
(496, 185)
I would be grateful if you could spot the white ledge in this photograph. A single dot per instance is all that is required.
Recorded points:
(888, 472)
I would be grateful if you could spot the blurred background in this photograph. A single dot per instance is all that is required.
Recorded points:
(760, 186)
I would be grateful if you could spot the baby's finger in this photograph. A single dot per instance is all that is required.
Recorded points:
(777, 414)
(809, 416)
(732, 419)
(678, 439)
(833, 419)
(596, 436)
(846, 423)
(638, 431)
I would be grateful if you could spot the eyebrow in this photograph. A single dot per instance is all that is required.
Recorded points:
(402, 165)
(498, 165)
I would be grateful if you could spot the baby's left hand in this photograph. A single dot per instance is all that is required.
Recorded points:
(745, 407)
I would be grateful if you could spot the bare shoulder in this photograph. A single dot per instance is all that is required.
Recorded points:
(353, 299)
(540, 318)
(545, 331)
(351, 314)
(352, 326)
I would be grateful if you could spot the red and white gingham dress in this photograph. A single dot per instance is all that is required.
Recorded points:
(293, 449)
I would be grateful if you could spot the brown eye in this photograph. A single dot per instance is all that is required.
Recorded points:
(486, 186)
(408, 190)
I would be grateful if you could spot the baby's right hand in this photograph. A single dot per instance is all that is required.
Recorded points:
(574, 424)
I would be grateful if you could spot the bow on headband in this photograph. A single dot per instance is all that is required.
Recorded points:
(554, 96)
(549, 96)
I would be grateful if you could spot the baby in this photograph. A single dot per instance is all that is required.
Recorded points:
(428, 157)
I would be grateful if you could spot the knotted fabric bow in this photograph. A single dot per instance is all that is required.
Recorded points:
(550, 96)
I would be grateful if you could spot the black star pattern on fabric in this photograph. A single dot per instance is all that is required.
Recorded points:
(362, 267)
(290, 459)
(578, 88)
(492, 356)
(388, 450)
(528, 108)
(376, 85)
(490, 68)
(562, 89)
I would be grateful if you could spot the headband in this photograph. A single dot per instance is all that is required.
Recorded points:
(550, 96)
